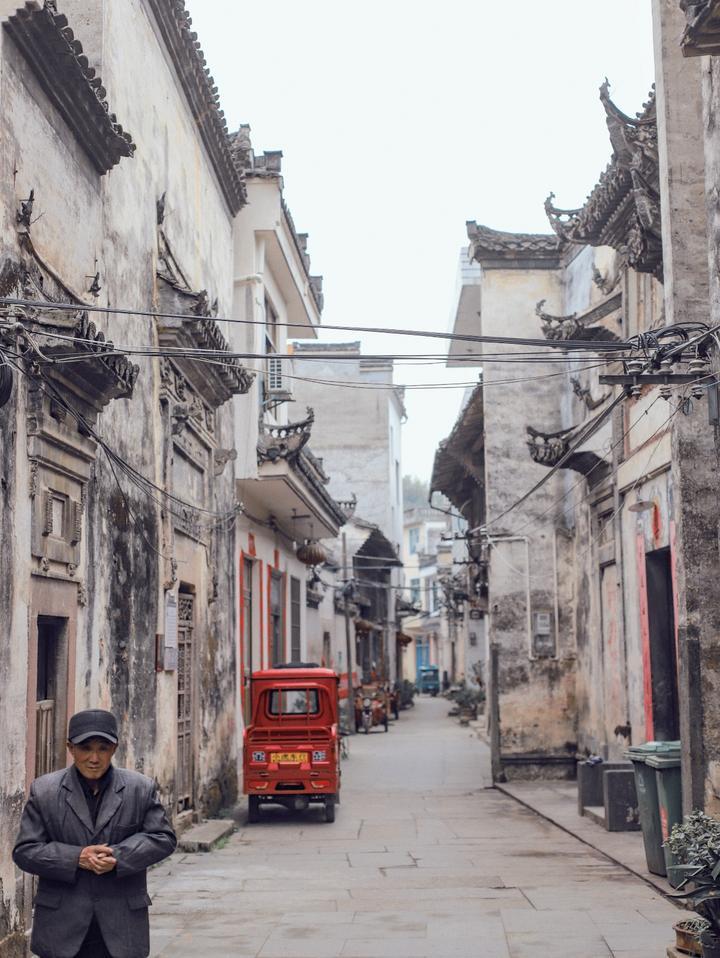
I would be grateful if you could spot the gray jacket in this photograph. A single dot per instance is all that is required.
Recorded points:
(55, 826)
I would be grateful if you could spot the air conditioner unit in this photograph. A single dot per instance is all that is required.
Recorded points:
(278, 387)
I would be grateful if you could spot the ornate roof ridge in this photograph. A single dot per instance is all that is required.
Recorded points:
(498, 241)
(202, 95)
(48, 43)
(623, 209)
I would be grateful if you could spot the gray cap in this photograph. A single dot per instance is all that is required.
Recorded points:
(92, 723)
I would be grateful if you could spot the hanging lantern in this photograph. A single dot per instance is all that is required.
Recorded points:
(311, 553)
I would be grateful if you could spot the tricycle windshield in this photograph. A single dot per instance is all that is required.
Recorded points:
(294, 702)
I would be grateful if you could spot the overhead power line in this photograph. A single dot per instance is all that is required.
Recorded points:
(389, 331)
(222, 356)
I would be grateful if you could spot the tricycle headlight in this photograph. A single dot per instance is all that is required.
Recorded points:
(367, 703)
(320, 756)
(258, 756)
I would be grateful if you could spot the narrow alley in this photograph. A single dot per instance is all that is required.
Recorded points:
(425, 860)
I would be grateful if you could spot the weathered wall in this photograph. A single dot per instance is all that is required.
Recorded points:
(84, 223)
(536, 695)
(688, 143)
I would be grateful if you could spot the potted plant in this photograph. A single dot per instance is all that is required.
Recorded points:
(696, 846)
(467, 701)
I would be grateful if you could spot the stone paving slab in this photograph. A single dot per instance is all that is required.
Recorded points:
(204, 837)
(424, 861)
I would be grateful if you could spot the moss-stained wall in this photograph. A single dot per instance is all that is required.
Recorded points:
(114, 596)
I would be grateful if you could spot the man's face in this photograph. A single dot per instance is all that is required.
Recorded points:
(92, 758)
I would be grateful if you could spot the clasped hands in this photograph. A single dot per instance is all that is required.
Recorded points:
(98, 859)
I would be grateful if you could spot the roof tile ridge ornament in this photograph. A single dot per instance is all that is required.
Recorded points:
(198, 318)
(348, 506)
(88, 339)
(482, 236)
(48, 43)
(623, 209)
(284, 441)
(552, 449)
(556, 328)
(559, 329)
(202, 95)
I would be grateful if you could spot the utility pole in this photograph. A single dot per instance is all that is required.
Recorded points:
(348, 648)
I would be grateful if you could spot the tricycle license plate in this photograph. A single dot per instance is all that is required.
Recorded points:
(288, 756)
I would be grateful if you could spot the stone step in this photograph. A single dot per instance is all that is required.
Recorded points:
(205, 836)
(596, 813)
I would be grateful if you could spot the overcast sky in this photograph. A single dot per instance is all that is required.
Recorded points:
(399, 120)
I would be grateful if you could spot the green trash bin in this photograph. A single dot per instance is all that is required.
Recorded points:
(646, 785)
(669, 790)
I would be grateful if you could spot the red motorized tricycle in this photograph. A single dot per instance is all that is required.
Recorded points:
(291, 749)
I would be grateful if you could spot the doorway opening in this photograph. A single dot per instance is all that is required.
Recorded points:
(50, 694)
(663, 649)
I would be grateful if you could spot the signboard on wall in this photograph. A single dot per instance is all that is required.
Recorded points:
(171, 632)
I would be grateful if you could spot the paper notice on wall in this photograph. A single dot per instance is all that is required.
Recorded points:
(171, 632)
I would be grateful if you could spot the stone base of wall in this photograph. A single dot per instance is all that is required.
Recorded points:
(527, 767)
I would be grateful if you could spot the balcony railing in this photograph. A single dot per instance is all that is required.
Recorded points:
(44, 737)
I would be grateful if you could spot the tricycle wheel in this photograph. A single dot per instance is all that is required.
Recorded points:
(386, 723)
(253, 809)
(330, 809)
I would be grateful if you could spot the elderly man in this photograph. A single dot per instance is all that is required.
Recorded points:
(90, 832)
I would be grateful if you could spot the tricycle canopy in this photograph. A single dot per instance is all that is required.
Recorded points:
(290, 696)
